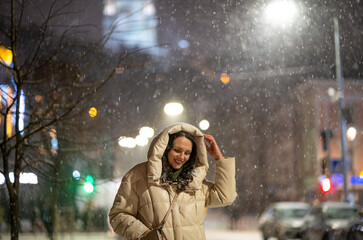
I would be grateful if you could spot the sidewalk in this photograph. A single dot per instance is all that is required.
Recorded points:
(64, 236)
(216, 225)
(210, 235)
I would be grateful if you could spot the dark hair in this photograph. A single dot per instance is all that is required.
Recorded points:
(186, 175)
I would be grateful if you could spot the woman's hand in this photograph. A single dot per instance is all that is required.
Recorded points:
(212, 147)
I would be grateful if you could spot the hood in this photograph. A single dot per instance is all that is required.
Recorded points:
(293, 222)
(338, 223)
(158, 146)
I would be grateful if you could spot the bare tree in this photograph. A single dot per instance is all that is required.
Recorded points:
(51, 74)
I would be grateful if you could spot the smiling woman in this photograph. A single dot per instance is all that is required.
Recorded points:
(176, 169)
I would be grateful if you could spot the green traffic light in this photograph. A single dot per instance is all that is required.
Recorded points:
(90, 179)
(88, 187)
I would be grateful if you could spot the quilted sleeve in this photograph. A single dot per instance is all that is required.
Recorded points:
(223, 191)
(124, 211)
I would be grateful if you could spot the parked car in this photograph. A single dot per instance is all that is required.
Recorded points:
(354, 230)
(324, 220)
(283, 220)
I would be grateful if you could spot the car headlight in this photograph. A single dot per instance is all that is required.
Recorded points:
(296, 225)
(359, 228)
(334, 226)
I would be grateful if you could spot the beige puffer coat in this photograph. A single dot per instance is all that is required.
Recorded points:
(143, 200)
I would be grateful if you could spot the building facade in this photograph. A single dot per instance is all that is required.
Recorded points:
(321, 138)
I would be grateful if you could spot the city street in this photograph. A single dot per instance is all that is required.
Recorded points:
(217, 225)
(221, 120)
(210, 235)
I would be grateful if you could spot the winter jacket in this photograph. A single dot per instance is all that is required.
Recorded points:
(143, 199)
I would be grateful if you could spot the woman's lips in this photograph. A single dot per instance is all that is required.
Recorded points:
(178, 161)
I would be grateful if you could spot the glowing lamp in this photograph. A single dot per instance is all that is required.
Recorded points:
(281, 12)
(53, 133)
(76, 174)
(326, 185)
(146, 132)
(92, 112)
(204, 124)
(127, 142)
(6, 56)
(89, 186)
(351, 133)
(24, 178)
(224, 78)
(141, 140)
(173, 108)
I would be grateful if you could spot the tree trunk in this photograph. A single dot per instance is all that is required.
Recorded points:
(14, 213)
(56, 215)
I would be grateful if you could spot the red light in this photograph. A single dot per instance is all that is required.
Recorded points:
(326, 185)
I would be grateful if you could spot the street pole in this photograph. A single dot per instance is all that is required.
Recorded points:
(343, 121)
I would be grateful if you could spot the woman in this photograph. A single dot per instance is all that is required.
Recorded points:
(177, 162)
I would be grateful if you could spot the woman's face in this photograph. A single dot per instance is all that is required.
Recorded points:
(180, 152)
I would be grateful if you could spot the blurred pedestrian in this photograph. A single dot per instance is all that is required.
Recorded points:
(47, 215)
(177, 166)
(36, 221)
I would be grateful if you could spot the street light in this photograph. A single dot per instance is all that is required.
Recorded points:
(6, 56)
(127, 142)
(343, 120)
(92, 112)
(224, 78)
(76, 174)
(141, 140)
(281, 12)
(173, 108)
(146, 132)
(351, 134)
(204, 124)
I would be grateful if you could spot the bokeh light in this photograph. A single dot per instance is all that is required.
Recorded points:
(141, 140)
(281, 12)
(146, 132)
(224, 78)
(127, 142)
(204, 124)
(92, 112)
(6, 56)
(351, 133)
(183, 44)
(173, 108)
(76, 174)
